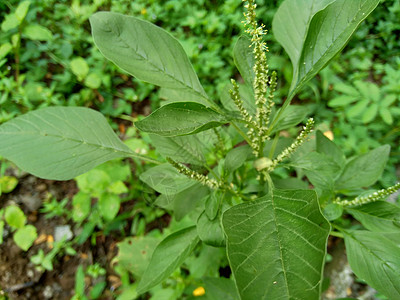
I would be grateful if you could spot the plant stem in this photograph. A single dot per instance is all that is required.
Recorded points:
(273, 146)
(337, 234)
(241, 133)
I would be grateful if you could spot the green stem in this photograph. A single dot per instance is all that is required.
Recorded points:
(337, 234)
(277, 117)
(273, 146)
(143, 157)
(241, 133)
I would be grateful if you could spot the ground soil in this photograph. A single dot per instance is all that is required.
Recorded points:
(19, 278)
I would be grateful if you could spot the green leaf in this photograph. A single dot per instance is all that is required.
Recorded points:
(364, 170)
(165, 179)
(81, 204)
(37, 32)
(179, 202)
(25, 236)
(292, 35)
(168, 256)
(210, 231)
(212, 204)
(14, 216)
(386, 115)
(79, 67)
(10, 22)
(333, 211)
(109, 205)
(146, 52)
(276, 245)
(346, 89)
(134, 253)
(373, 257)
(291, 116)
(93, 81)
(330, 30)
(342, 100)
(370, 113)
(317, 31)
(180, 118)
(378, 216)
(244, 59)
(184, 149)
(236, 157)
(357, 109)
(60, 142)
(8, 184)
(22, 10)
(80, 281)
(220, 288)
(330, 149)
(5, 49)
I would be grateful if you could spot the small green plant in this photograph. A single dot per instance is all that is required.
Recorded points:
(236, 182)
(45, 261)
(24, 234)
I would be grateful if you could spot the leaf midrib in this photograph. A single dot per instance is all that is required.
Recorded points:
(82, 142)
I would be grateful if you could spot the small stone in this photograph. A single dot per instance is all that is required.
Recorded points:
(61, 232)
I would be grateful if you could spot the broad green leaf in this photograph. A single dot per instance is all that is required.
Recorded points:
(315, 32)
(37, 32)
(184, 149)
(291, 25)
(375, 258)
(14, 216)
(364, 170)
(276, 245)
(81, 204)
(185, 201)
(220, 288)
(291, 116)
(60, 142)
(319, 168)
(134, 253)
(210, 231)
(244, 59)
(236, 157)
(146, 52)
(109, 205)
(25, 236)
(330, 30)
(329, 148)
(168, 256)
(378, 216)
(180, 118)
(165, 179)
